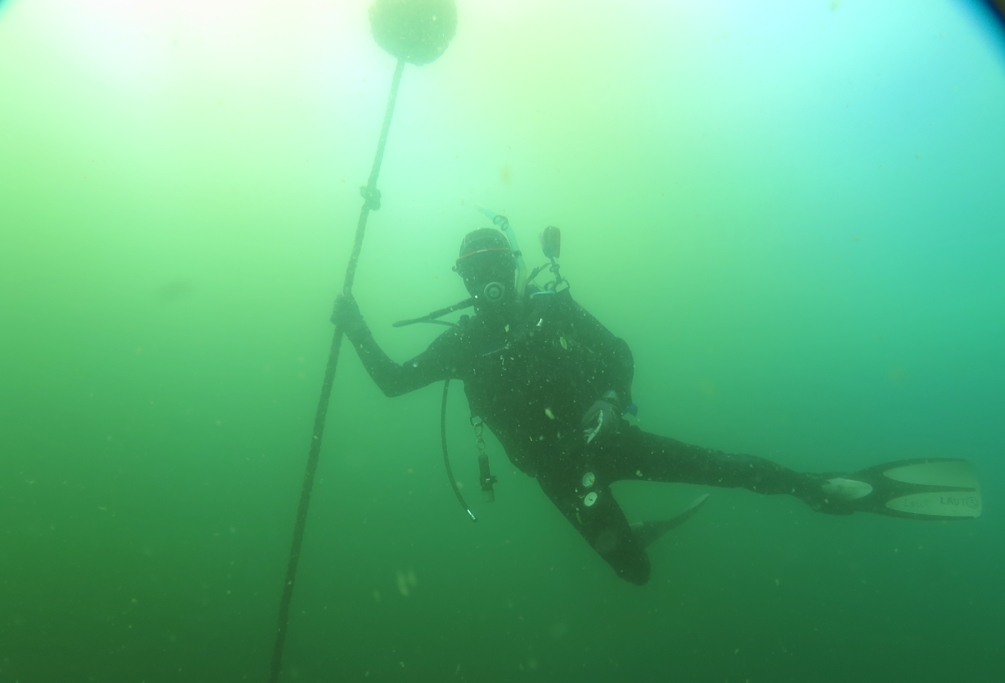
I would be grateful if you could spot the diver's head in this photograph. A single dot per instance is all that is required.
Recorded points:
(486, 264)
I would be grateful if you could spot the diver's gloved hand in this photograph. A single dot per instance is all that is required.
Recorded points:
(346, 315)
(602, 417)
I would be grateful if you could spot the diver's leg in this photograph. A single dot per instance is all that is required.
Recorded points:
(600, 521)
(634, 454)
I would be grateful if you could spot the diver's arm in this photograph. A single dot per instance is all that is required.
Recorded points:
(618, 360)
(394, 379)
(624, 373)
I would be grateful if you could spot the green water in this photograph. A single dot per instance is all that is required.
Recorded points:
(791, 210)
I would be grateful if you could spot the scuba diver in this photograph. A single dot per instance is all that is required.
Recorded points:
(553, 385)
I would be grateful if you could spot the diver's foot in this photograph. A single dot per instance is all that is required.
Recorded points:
(846, 490)
(833, 493)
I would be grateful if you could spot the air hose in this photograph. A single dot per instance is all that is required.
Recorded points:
(446, 456)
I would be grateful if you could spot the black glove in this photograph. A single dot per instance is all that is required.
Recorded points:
(346, 315)
(602, 417)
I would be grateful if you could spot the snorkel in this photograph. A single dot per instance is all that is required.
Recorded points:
(502, 223)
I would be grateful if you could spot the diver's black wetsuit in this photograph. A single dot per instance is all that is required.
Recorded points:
(532, 383)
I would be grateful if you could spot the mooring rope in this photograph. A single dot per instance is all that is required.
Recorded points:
(371, 201)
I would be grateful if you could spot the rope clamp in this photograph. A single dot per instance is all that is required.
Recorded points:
(371, 197)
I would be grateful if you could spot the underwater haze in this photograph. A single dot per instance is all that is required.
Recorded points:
(792, 210)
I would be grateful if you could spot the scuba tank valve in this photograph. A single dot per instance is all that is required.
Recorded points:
(551, 242)
(551, 245)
